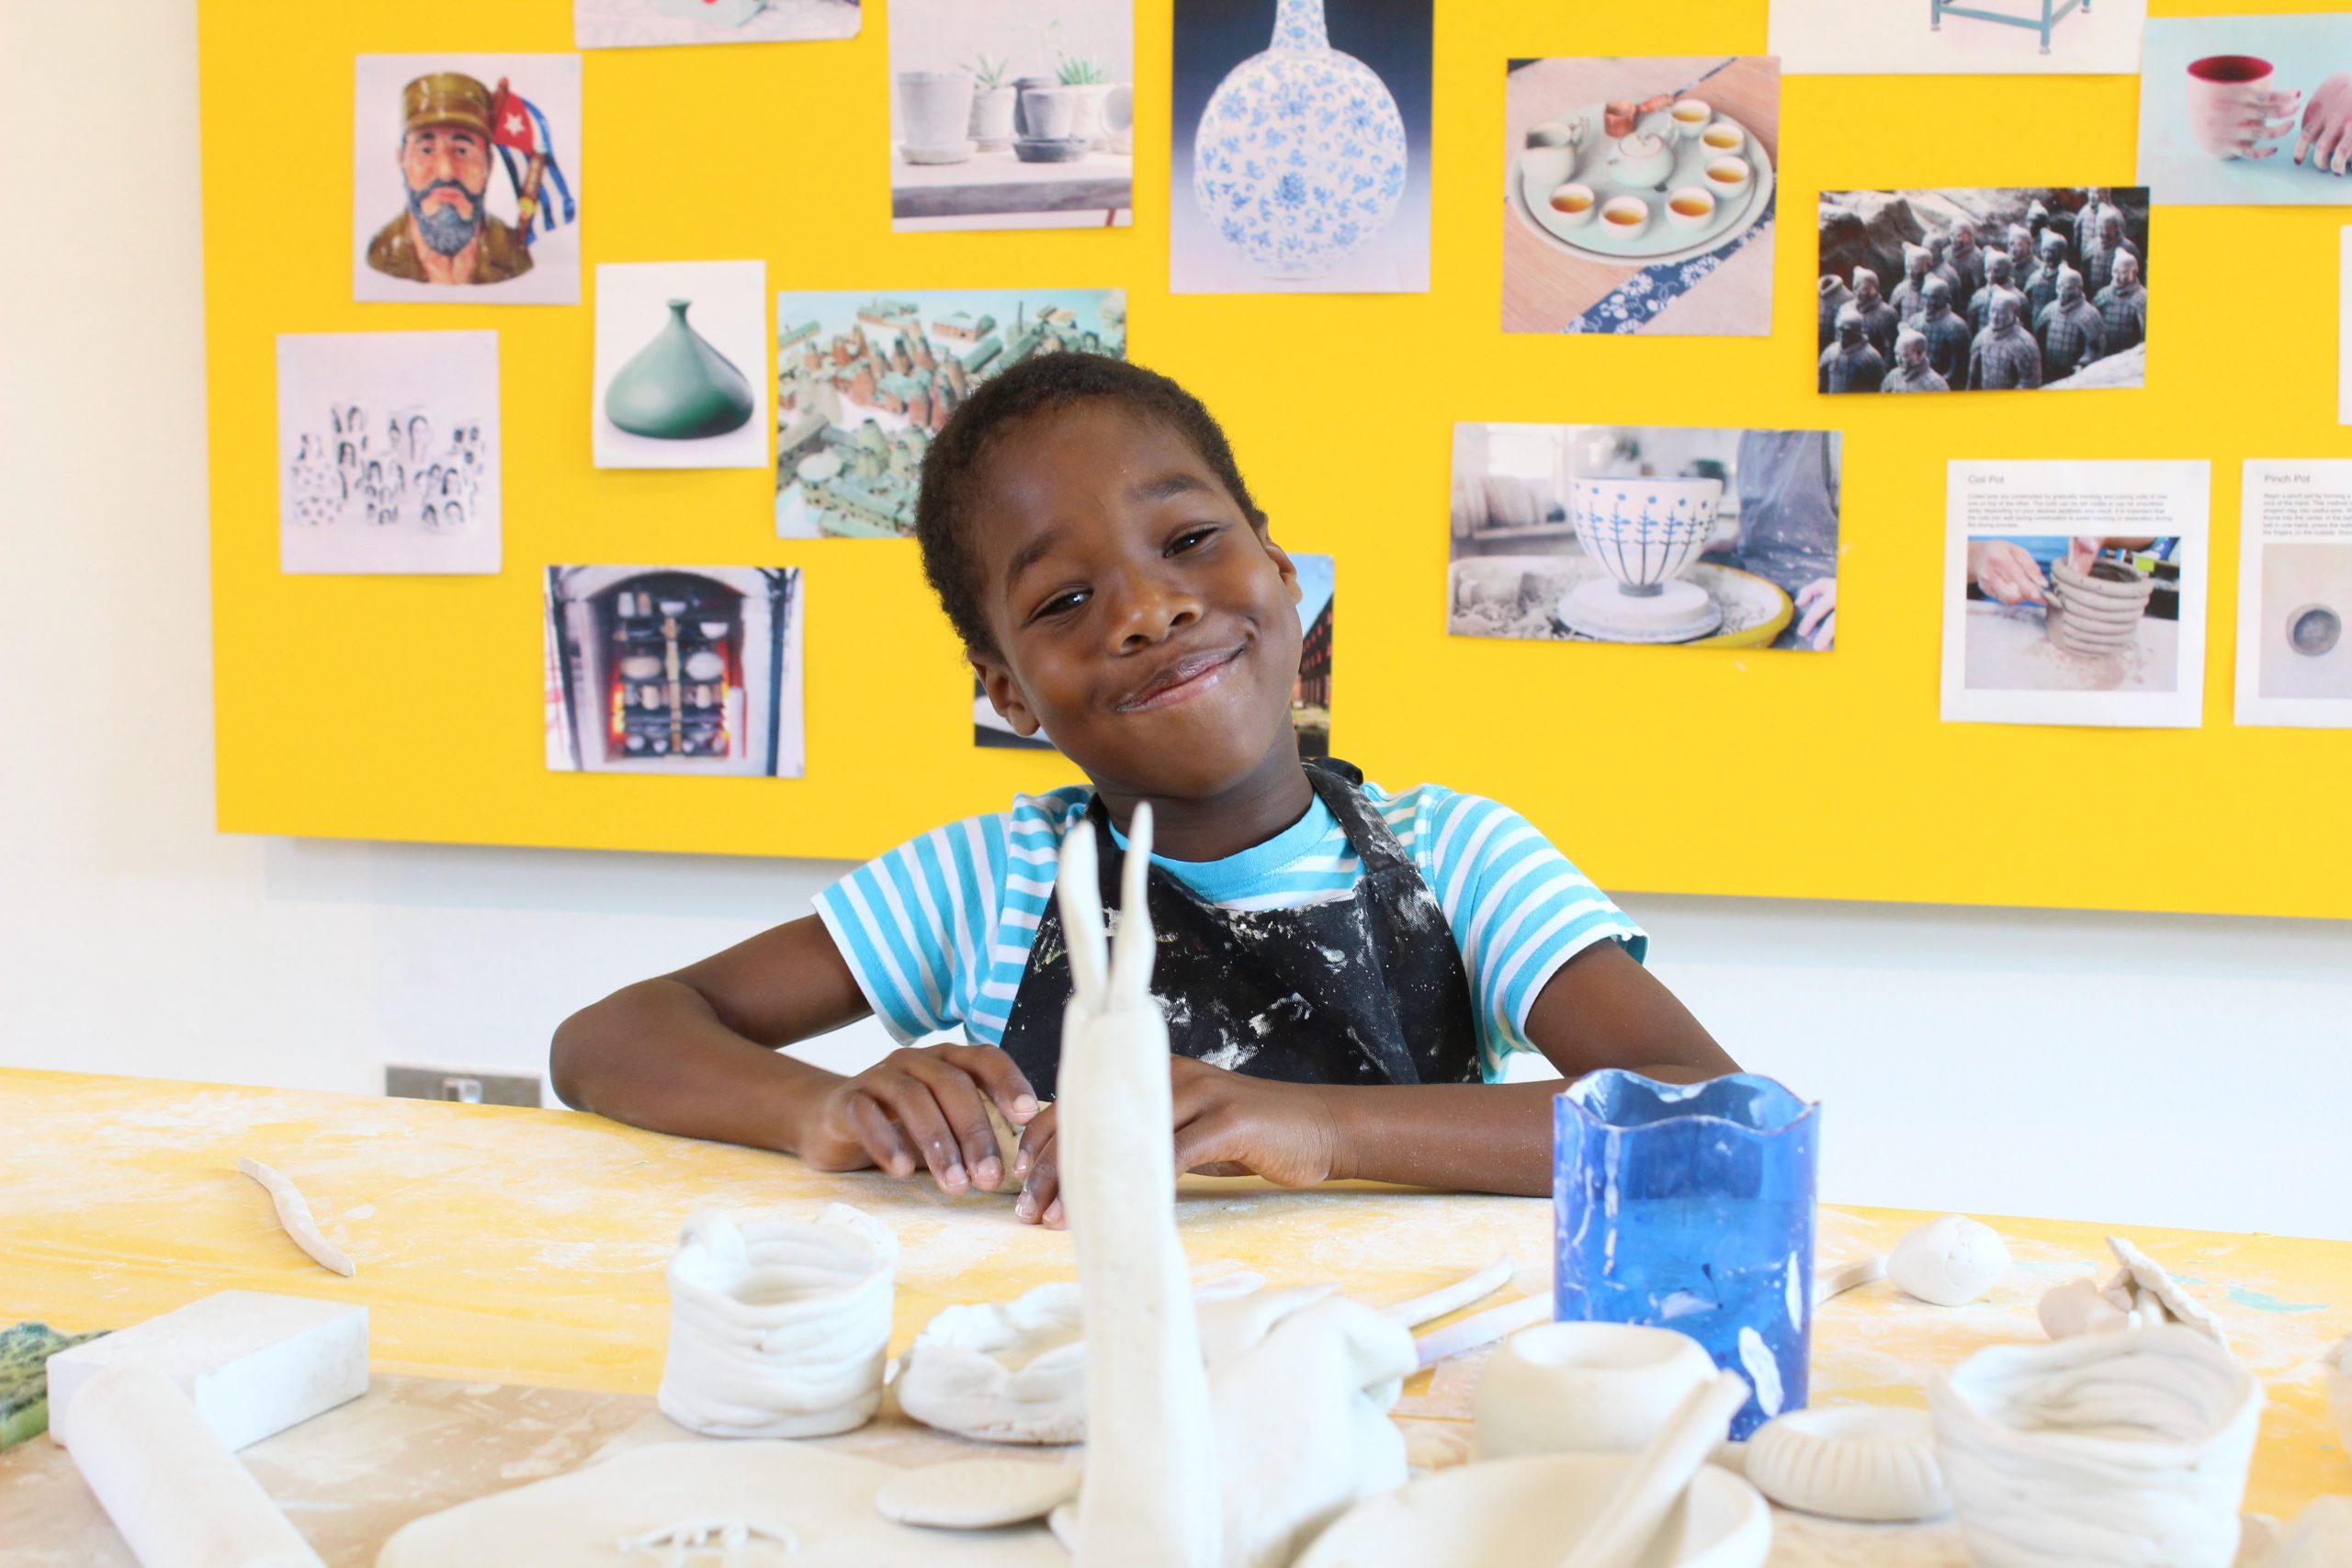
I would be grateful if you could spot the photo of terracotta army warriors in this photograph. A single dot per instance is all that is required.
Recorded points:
(1981, 291)
(464, 184)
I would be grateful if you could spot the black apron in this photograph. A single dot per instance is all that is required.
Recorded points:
(1362, 989)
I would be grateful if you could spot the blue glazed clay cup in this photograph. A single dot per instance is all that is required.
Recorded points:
(1690, 1207)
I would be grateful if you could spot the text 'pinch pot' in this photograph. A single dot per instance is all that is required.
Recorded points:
(2108, 1451)
(1585, 1388)
(778, 1327)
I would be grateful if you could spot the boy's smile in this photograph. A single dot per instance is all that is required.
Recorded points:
(1140, 619)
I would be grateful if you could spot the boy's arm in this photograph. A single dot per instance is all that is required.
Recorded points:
(695, 1052)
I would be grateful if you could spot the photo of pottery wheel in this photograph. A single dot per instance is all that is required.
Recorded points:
(1523, 596)
(2095, 613)
(1676, 611)
(1536, 173)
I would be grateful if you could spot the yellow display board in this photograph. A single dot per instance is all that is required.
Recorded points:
(410, 708)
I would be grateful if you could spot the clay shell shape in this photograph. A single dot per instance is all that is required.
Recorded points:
(1851, 1463)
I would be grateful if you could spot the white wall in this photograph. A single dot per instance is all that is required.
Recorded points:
(2134, 1069)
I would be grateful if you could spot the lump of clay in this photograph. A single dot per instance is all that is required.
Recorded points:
(2108, 1451)
(1950, 1262)
(1851, 1463)
(778, 1329)
(2079, 1306)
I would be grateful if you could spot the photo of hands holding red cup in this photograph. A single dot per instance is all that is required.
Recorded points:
(2246, 110)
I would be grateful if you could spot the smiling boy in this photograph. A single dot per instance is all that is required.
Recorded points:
(1344, 971)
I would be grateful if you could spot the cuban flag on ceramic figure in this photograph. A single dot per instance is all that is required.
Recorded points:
(517, 126)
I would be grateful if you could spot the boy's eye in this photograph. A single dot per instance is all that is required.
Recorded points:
(1190, 538)
(1059, 604)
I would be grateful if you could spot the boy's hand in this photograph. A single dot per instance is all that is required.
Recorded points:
(1227, 1124)
(923, 1105)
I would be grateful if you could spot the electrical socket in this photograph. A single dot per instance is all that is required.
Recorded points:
(466, 1084)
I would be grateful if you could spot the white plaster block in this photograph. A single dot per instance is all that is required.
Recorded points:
(252, 1363)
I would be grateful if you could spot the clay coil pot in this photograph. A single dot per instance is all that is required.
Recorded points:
(2097, 611)
(2101, 1452)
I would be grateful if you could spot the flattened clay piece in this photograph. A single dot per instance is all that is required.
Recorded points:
(1529, 1512)
(294, 1214)
(1848, 1277)
(1851, 1463)
(1950, 1261)
(679, 1503)
(2146, 1275)
(2079, 1306)
(977, 1494)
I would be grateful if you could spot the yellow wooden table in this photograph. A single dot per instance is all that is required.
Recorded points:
(527, 1246)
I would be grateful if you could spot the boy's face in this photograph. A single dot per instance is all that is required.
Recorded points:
(1140, 620)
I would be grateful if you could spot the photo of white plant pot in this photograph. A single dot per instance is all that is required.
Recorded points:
(1012, 115)
(1301, 135)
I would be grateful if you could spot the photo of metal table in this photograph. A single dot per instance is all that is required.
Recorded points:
(991, 184)
(2053, 13)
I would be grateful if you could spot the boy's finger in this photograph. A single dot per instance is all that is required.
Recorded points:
(880, 1137)
(1001, 1077)
(1033, 1138)
(1056, 1220)
(911, 1103)
(1042, 1193)
(966, 1111)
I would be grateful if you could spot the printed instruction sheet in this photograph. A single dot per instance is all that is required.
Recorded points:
(2295, 662)
(2075, 593)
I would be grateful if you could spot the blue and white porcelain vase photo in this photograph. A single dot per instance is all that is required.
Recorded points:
(1300, 157)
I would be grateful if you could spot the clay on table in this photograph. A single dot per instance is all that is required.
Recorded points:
(1585, 1388)
(977, 1494)
(2108, 1451)
(1948, 1262)
(778, 1327)
(1851, 1463)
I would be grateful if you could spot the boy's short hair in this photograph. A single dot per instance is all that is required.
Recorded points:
(1039, 385)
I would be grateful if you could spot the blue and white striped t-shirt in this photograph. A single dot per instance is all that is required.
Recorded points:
(938, 931)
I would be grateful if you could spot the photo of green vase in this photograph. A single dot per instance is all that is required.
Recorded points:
(678, 388)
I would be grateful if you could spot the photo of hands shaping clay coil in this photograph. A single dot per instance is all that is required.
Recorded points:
(2072, 614)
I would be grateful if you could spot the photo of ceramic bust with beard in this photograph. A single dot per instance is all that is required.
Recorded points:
(447, 235)
(465, 179)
